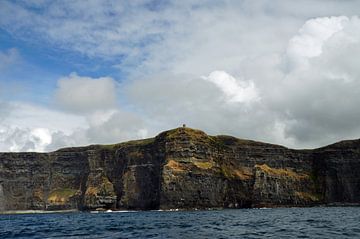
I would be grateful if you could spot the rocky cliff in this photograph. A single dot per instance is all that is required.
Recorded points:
(180, 168)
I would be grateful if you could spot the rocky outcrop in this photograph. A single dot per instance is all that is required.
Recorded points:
(181, 168)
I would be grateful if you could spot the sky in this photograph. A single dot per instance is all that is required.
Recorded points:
(80, 72)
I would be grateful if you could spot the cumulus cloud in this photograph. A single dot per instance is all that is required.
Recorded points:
(169, 101)
(117, 126)
(311, 37)
(313, 34)
(322, 97)
(28, 127)
(120, 126)
(312, 104)
(234, 90)
(280, 71)
(85, 94)
(25, 115)
(25, 127)
(32, 139)
(15, 139)
(88, 115)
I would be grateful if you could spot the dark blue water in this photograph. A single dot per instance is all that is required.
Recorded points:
(242, 223)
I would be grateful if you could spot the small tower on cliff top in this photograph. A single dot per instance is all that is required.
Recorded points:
(184, 125)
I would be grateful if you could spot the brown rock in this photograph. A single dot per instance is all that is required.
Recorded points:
(180, 168)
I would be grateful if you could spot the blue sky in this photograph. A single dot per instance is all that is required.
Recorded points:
(40, 59)
(77, 73)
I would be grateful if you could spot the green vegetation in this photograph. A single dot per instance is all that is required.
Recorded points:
(307, 196)
(193, 133)
(104, 188)
(243, 173)
(204, 165)
(175, 166)
(140, 142)
(107, 187)
(284, 172)
(230, 140)
(61, 196)
(227, 172)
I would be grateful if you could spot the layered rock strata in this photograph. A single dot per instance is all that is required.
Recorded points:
(180, 168)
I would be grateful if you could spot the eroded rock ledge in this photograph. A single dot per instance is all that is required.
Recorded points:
(180, 168)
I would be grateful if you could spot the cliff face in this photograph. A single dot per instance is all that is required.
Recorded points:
(180, 168)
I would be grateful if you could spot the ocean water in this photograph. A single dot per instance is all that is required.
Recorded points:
(318, 222)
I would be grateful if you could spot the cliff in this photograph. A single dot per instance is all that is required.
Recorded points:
(180, 168)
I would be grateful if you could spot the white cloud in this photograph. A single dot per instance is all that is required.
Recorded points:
(28, 127)
(169, 101)
(234, 90)
(86, 94)
(25, 115)
(166, 51)
(319, 99)
(98, 28)
(25, 127)
(309, 105)
(313, 34)
(311, 37)
(15, 139)
(120, 126)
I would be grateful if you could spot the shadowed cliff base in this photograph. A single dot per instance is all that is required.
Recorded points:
(181, 168)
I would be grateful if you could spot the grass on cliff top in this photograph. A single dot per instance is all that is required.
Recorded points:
(140, 142)
(281, 172)
(228, 140)
(193, 133)
(61, 195)
(220, 141)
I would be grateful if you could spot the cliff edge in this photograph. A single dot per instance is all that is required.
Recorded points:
(180, 168)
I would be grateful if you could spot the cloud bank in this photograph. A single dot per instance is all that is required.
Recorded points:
(280, 72)
(85, 94)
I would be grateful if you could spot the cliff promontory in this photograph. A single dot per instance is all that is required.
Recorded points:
(180, 168)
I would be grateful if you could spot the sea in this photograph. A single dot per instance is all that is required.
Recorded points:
(316, 222)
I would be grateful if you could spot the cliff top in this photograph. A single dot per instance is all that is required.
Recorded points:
(189, 134)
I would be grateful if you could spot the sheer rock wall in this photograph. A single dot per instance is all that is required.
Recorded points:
(180, 168)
